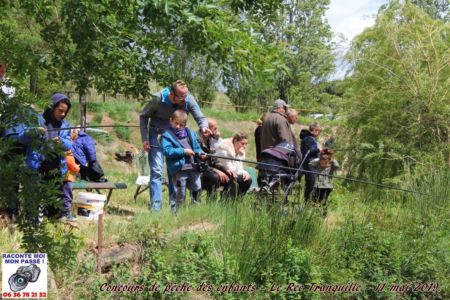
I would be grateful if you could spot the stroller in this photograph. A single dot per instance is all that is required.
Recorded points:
(279, 169)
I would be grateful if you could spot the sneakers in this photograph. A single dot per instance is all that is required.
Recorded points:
(68, 218)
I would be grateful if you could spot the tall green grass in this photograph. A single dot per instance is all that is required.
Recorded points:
(395, 238)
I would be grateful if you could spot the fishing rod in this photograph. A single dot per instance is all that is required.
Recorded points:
(291, 184)
(350, 149)
(317, 173)
(354, 149)
(91, 126)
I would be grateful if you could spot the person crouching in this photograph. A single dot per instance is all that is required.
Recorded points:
(179, 145)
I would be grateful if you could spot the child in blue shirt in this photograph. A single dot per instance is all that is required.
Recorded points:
(179, 145)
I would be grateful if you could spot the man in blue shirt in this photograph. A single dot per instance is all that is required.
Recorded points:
(154, 121)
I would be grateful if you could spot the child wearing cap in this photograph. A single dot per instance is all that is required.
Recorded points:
(324, 166)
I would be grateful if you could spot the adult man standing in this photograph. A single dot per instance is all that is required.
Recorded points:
(158, 111)
(276, 128)
(292, 116)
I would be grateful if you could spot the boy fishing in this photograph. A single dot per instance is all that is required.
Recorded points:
(179, 145)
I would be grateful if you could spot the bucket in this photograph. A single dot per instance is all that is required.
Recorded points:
(91, 198)
(90, 205)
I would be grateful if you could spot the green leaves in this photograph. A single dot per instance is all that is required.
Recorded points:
(399, 86)
(297, 55)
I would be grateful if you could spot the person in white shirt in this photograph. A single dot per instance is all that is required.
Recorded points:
(235, 148)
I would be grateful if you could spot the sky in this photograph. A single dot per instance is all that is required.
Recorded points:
(350, 18)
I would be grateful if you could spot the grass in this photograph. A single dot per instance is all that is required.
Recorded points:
(229, 114)
(269, 247)
(123, 133)
(368, 238)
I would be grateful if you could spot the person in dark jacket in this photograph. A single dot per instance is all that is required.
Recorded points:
(258, 130)
(276, 128)
(51, 126)
(310, 151)
(55, 136)
(83, 149)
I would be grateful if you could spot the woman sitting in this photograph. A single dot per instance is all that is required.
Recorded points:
(235, 148)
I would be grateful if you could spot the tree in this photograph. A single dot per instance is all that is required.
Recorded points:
(303, 57)
(119, 46)
(307, 39)
(23, 50)
(398, 92)
(437, 9)
(114, 46)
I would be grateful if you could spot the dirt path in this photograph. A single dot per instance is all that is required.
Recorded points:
(203, 226)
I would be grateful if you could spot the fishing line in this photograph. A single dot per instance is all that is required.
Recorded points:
(92, 126)
(260, 163)
(317, 173)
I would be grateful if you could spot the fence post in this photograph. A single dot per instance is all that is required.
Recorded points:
(83, 112)
(100, 243)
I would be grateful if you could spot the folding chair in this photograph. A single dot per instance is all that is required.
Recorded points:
(143, 179)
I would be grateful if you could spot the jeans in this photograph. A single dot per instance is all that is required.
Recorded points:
(186, 179)
(67, 197)
(156, 162)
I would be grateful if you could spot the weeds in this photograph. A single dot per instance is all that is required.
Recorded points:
(124, 133)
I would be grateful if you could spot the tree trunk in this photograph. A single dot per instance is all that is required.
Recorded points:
(33, 83)
(120, 254)
(282, 89)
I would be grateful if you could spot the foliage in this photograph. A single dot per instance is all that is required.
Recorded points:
(119, 111)
(123, 133)
(437, 9)
(120, 46)
(23, 188)
(303, 58)
(409, 252)
(203, 85)
(397, 95)
(201, 74)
